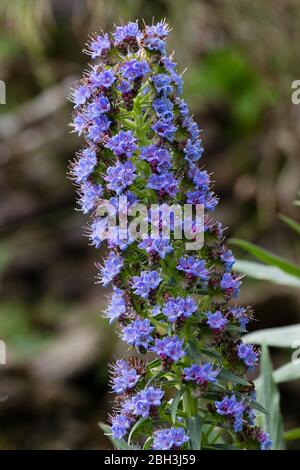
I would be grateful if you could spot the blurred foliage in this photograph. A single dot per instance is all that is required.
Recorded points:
(225, 75)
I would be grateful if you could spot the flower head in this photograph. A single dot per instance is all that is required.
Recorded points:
(200, 375)
(138, 333)
(143, 146)
(111, 268)
(117, 307)
(124, 377)
(166, 439)
(193, 267)
(145, 283)
(169, 347)
(216, 321)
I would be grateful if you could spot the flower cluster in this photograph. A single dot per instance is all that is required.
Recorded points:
(169, 302)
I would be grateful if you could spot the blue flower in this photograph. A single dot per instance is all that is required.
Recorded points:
(165, 128)
(233, 408)
(126, 33)
(200, 178)
(99, 46)
(154, 35)
(247, 354)
(200, 375)
(162, 83)
(123, 143)
(170, 347)
(85, 165)
(80, 123)
(179, 308)
(163, 107)
(191, 126)
(89, 194)
(177, 80)
(160, 29)
(193, 150)
(80, 95)
(138, 333)
(98, 106)
(142, 403)
(228, 259)
(120, 425)
(158, 246)
(240, 314)
(145, 283)
(125, 377)
(104, 79)
(169, 64)
(165, 439)
(210, 202)
(134, 69)
(117, 307)
(158, 157)
(120, 176)
(163, 183)
(230, 284)
(111, 268)
(193, 267)
(216, 321)
(264, 440)
(98, 231)
(100, 126)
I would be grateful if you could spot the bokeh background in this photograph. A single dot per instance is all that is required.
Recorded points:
(241, 58)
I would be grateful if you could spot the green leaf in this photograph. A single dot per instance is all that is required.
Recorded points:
(175, 402)
(221, 447)
(268, 396)
(292, 434)
(288, 372)
(267, 257)
(194, 426)
(282, 337)
(231, 377)
(290, 222)
(266, 273)
(137, 425)
(119, 444)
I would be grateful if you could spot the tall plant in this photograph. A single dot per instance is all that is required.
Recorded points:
(187, 385)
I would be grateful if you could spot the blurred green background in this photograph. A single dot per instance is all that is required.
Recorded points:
(241, 58)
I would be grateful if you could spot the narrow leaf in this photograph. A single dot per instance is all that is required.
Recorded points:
(291, 223)
(292, 434)
(175, 403)
(194, 426)
(267, 257)
(282, 337)
(288, 372)
(137, 425)
(268, 396)
(266, 273)
(231, 377)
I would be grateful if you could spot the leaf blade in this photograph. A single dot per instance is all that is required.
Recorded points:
(267, 257)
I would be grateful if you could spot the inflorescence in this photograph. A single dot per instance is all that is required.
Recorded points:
(174, 307)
